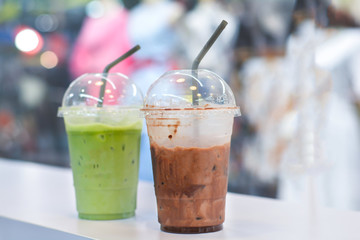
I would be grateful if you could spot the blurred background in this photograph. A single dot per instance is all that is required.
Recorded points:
(293, 66)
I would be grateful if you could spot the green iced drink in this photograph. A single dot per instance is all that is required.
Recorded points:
(105, 165)
(104, 143)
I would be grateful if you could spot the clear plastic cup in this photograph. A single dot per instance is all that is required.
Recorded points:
(104, 144)
(189, 116)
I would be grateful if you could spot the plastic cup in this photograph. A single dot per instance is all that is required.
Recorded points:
(190, 148)
(104, 144)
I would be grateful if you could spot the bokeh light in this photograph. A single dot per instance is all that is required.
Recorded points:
(95, 9)
(99, 83)
(29, 41)
(48, 59)
(46, 23)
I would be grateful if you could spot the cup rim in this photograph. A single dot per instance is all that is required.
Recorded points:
(92, 111)
(156, 111)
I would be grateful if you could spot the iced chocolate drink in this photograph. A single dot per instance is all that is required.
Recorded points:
(195, 181)
(190, 148)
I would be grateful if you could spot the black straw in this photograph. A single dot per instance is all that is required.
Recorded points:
(201, 55)
(107, 69)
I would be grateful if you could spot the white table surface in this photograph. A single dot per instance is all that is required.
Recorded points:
(44, 195)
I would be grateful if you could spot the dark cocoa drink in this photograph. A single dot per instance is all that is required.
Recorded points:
(190, 186)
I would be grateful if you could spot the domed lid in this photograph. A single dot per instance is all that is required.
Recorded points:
(83, 97)
(190, 90)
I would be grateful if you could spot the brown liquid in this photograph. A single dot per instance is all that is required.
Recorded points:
(190, 186)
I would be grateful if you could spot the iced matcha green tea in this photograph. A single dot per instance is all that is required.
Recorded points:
(105, 162)
(104, 144)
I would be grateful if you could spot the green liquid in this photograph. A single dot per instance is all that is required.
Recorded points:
(105, 165)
